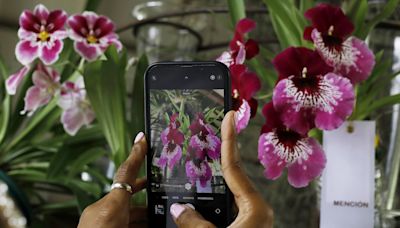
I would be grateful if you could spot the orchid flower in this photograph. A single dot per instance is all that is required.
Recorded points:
(46, 83)
(77, 110)
(15, 79)
(280, 147)
(330, 32)
(41, 33)
(198, 169)
(308, 94)
(172, 139)
(204, 139)
(92, 34)
(240, 50)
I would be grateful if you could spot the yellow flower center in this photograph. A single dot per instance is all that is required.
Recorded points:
(235, 93)
(91, 39)
(43, 36)
(304, 72)
(330, 30)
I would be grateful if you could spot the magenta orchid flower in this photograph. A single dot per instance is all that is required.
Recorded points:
(172, 139)
(204, 139)
(198, 169)
(308, 95)
(245, 85)
(46, 83)
(15, 79)
(77, 110)
(41, 33)
(240, 50)
(92, 34)
(330, 32)
(280, 147)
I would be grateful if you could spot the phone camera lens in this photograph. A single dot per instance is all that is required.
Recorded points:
(153, 77)
(212, 77)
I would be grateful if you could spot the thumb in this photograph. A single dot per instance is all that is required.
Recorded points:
(185, 216)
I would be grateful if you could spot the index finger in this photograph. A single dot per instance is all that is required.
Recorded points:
(235, 177)
(127, 172)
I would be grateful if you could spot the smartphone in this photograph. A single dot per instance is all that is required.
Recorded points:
(185, 105)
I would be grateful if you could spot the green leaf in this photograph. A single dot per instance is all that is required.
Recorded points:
(92, 5)
(381, 103)
(77, 165)
(105, 85)
(237, 10)
(390, 7)
(137, 111)
(357, 11)
(6, 103)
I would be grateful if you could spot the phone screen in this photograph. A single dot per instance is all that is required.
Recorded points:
(185, 107)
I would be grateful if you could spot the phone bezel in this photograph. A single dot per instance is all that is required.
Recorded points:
(227, 107)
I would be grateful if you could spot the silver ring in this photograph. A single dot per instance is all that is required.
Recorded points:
(125, 186)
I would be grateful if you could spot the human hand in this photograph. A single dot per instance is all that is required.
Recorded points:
(113, 210)
(253, 211)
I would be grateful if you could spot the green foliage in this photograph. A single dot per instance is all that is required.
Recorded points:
(137, 109)
(105, 85)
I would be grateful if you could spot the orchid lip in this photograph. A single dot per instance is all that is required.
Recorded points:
(289, 145)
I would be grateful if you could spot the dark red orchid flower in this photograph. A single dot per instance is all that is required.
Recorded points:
(330, 31)
(280, 147)
(240, 48)
(308, 95)
(245, 85)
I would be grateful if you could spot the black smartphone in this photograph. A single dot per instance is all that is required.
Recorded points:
(185, 105)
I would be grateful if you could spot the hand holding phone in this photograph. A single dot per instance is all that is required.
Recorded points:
(253, 211)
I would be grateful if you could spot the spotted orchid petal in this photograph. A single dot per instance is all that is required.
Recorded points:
(204, 139)
(15, 80)
(170, 156)
(75, 118)
(353, 59)
(242, 116)
(226, 58)
(280, 147)
(322, 101)
(198, 170)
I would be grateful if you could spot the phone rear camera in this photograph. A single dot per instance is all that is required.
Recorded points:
(212, 77)
(153, 77)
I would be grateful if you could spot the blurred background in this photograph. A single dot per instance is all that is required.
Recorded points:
(201, 30)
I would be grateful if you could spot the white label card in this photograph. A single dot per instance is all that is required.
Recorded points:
(347, 194)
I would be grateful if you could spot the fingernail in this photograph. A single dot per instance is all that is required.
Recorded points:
(176, 210)
(190, 205)
(138, 137)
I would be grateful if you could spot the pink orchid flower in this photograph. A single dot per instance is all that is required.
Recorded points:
(280, 147)
(92, 34)
(308, 95)
(198, 169)
(77, 110)
(172, 139)
(15, 79)
(204, 139)
(46, 83)
(240, 50)
(41, 33)
(330, 32)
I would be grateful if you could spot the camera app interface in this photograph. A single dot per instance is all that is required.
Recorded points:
(186, 141)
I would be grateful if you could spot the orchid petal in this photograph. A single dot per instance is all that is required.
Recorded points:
(49, 55)
(242, 116)
(26, 51)
(15, 79)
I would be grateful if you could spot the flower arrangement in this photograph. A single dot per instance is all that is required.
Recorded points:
(321, 72)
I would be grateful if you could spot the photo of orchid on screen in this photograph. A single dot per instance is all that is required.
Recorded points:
(186, 140)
